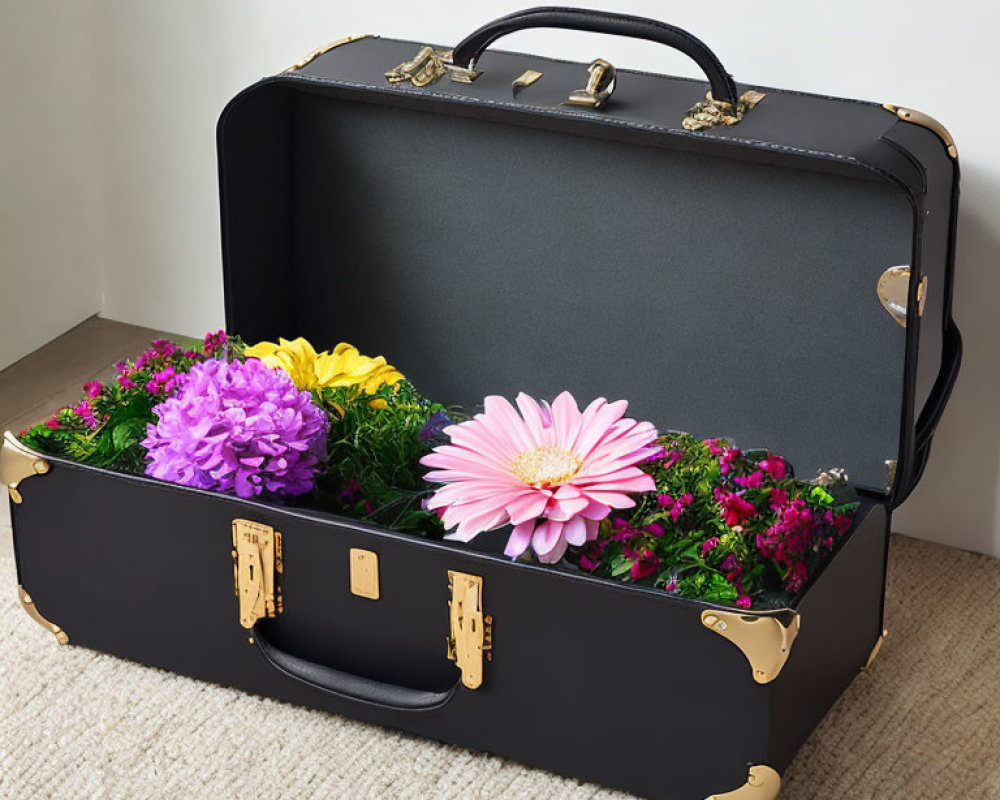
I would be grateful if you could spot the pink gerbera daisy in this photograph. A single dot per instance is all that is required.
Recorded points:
(553, 472)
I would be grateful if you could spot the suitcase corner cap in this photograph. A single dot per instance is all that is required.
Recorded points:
(18, 462)
(765, 639)
(763, 783)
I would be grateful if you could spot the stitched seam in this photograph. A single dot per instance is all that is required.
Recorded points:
(581, 115)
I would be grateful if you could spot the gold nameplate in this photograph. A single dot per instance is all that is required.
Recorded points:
(257, 565)
(364, 573)
(471, 633)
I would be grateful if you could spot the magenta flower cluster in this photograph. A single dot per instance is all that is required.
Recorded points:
(241, 428)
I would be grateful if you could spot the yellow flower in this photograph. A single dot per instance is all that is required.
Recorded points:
(309, 370)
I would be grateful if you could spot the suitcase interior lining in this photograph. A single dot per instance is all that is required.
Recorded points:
(484, 258)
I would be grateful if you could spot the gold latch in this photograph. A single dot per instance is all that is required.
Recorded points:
(427, 66)
(17, 462)
(893, 288)
(710, 112)
(471, 632)
(765, 639)
(763, 783)
(600, 85)
(424, 68)
(257, 566)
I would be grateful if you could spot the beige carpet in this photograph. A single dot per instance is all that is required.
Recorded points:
(923, 723)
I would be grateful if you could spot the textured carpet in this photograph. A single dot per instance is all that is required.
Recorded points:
(923, 723)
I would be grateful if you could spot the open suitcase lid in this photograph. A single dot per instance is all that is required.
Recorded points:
(489, 238)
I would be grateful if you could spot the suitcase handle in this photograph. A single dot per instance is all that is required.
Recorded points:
(352, 687)
(468, 51)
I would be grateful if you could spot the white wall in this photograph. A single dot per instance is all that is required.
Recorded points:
(165, 69)
(50, 215)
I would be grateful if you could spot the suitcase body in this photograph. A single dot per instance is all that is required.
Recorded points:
(490, 238)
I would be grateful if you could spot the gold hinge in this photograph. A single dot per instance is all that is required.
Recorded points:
(600, 85)
(18, 462)
(710, 112)
(29, 605)
(257, 567)
(471, 633)
(875, 650)
(765, 639)
(324, 49)
(763, 783)
(893, 289)
(925, 121)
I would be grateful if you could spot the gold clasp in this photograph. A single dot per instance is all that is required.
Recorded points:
(600, 85)
(710, 112)
(257, 565)
(471, 632)
(427, 66)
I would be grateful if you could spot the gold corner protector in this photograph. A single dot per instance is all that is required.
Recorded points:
(763, 783)
(765, 639)
(926, 121)
(29, 605)
(18, 462)
(875, 650)
(314, 54)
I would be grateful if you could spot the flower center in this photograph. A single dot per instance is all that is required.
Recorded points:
(546, 466)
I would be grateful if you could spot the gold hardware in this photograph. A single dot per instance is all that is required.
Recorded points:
(708, 113)
(324, 49)
(763, 783)
(364, 573)
(890, 466)
(875, 650)
(29, 605)
(471, 632)
(926, 121)
(18, 462)
(830, 476)
(257, 565)
(893, 287)
(424, 68)
(526, 78)
(600, 85)
(765, 639)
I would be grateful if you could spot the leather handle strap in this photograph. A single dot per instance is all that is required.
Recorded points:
(345, 684)
(468, 51)
(930, 415)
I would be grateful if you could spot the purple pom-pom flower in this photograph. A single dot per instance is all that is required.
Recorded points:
(241, 428)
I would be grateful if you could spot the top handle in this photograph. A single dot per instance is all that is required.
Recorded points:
(468, 51)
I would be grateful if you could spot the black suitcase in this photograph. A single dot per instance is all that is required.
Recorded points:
(497, 222)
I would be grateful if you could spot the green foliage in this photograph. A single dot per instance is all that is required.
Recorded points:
(374, 448)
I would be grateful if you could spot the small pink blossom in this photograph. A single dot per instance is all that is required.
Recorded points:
(709, 545)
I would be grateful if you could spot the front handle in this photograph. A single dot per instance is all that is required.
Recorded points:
(468, 51)
(347, 685)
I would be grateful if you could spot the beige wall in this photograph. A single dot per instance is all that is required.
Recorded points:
(51, 221)
(165, 69)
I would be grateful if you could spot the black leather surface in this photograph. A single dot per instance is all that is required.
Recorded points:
(795, 130)
(471, 48)
(580, 666)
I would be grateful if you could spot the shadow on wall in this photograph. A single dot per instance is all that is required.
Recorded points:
(958, 500)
